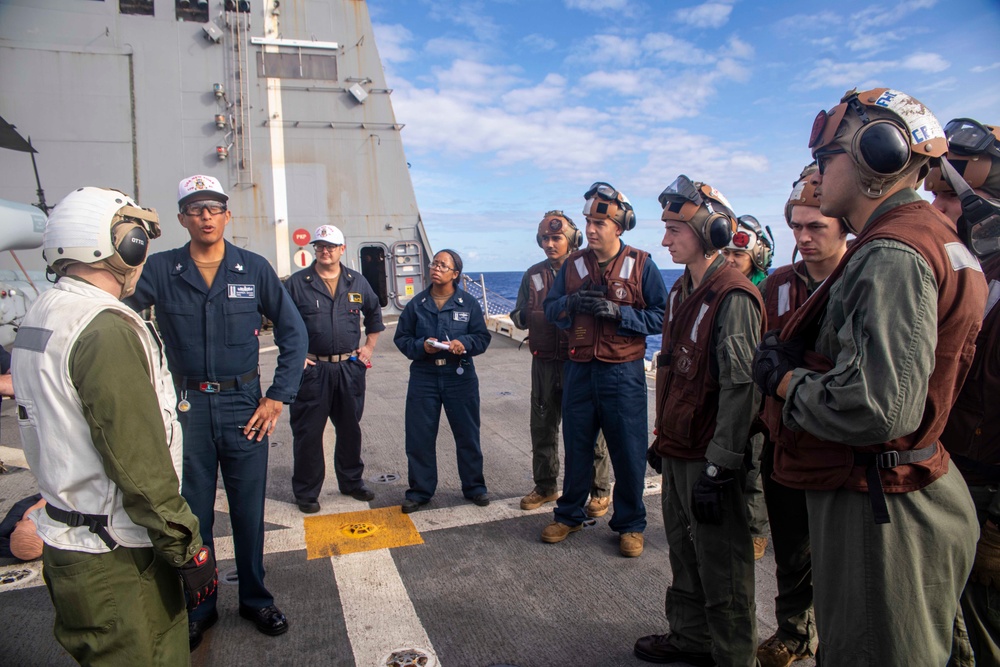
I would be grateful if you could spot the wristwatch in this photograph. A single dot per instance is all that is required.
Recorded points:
(712, 470)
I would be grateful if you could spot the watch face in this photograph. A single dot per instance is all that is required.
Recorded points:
(712, 470)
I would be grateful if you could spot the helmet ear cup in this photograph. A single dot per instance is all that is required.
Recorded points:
(131, 244)
(575, 238)
(629, 222)
(717, 231)
(882, 147)
(538, 240)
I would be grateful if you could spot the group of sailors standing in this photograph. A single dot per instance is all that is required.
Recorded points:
(845, 385)
(852, 382)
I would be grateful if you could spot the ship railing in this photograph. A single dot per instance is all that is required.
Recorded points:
(496, 308)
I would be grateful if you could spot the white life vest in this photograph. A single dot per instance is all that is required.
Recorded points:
(54, 432)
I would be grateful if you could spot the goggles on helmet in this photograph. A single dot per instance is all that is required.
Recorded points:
(970, 137)
(979, 224)
(682, 199)
(603, 191)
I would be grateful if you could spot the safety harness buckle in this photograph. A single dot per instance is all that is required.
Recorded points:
(888, 459)
(210, 387)
(75, 520)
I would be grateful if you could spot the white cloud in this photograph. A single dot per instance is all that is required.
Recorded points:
(669, 49)
(926, 62)
(708, 15)
(867, 74)
(549, 94)
(536, 42)
(603, 50)
(596, 6)
(392, 43)
(985, 68)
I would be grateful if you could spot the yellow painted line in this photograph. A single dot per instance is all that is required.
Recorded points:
(352, 532)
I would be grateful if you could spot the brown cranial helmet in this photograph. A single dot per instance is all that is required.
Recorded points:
(701, 207)
(557, 222)
(604, 202)
(974, 151)
(886, 132)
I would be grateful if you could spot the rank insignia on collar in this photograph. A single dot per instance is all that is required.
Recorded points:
(178, 267)
(238, 267)
(459, 299)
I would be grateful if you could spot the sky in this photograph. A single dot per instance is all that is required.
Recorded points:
(514, 107)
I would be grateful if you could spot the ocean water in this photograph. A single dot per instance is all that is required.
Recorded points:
(505, 283)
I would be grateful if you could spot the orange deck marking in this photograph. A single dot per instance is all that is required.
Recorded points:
(351, 532)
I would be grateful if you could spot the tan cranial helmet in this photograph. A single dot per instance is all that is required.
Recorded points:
(101, 227)
(887, 133)
(604, 202)
(701, 207)
(557, 222)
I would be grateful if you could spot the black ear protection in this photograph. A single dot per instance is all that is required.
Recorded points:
(881, 147)
(131, 242)
(717, 230)
(629, 218)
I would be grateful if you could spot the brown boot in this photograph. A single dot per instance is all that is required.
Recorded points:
(630, 545)
(598, 506)
(773, 653)
(557, 532)
(534, 500)
(759, 544)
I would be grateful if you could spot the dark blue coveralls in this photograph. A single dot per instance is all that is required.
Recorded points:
(435, 381)
(609, 397)
(210, 335)
(331, 389)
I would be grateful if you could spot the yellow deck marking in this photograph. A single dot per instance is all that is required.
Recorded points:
(351, 532)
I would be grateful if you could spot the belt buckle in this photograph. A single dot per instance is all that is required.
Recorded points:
(889, 459)
(440, 362)
(209, 387)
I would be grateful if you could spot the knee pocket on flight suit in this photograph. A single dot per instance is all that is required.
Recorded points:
(80, 588)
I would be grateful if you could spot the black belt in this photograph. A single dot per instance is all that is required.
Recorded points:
(886, 460)
(97, 523)
(209, 387)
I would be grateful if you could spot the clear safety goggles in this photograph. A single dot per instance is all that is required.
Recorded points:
(970, 137)
(195, 209)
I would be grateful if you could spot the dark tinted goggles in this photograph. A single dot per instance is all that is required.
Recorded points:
(970, 137)
(601, 190)
(680, 191)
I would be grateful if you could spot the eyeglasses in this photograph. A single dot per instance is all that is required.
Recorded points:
(822, 156)
(440, 267)
(326, 247)
(196, 208)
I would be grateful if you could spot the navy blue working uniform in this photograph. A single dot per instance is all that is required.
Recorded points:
(210, 338)
(440, 379)
(335, 387)
(608, 397)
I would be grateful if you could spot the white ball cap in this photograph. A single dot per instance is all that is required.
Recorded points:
(198, 187)
(328, 234)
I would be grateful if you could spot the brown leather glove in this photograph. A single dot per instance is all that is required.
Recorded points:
(986, 568)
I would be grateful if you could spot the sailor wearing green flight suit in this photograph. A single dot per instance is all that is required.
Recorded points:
(96, 412)
(860, 383)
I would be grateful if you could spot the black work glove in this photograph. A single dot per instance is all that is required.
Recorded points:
(707, 496)
(654, 460)
(607, 310)
(200, 577)
(773, 359)
(583, 301)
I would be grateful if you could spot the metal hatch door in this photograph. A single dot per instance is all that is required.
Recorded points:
(374, 269)
(408, 273)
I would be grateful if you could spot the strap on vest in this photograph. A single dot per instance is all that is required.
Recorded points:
(886, 460)
(97, 523)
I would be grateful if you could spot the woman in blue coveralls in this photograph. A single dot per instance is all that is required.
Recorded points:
(440, 330)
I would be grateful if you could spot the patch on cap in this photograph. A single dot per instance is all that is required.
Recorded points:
(200, 186)
(328, 234)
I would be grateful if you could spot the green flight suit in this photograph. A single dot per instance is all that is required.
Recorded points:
(125, 607)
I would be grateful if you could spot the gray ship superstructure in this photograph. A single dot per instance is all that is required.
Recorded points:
(285, 101)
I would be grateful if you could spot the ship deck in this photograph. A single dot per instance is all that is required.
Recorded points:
(470, 586)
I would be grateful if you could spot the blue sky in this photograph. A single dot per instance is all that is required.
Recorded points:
(514, 107)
